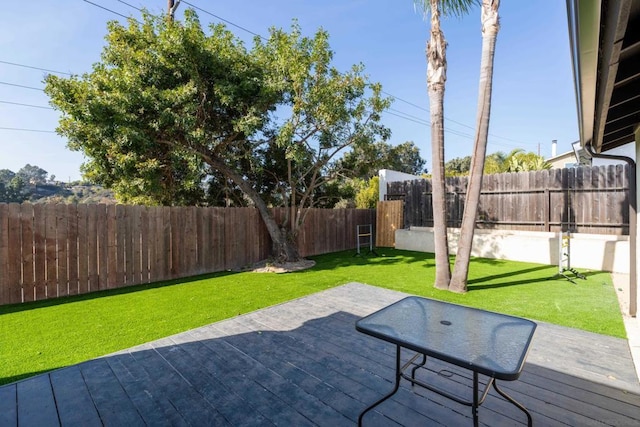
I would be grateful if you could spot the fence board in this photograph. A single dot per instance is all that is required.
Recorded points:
(191, 234)
(13, 273)
(72, 249)
(103, 220)
(167, 254)
(83, 252)
(202, 231)
(112, 248)
(156, 240)
(61, 246)
(4, 253)
(144, 244)
(136, 250)
(218, 238)
(155, 235)
(28, 268)
(39, 252)
(51, 252)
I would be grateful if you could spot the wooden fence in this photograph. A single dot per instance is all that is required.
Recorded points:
(582, 200)
(388, 220)
(55, 250)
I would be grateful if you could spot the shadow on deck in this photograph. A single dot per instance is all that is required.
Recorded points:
(302, 363)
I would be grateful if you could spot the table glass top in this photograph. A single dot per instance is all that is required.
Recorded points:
(490, 343)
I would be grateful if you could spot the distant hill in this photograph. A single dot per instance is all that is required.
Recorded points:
(71, 193)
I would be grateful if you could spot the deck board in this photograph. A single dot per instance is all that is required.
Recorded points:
(8, 405)
(73, 401)
(302, 363)
(36, 403)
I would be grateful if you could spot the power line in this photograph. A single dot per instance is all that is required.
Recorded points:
(22, 86)
(35, 68)
(426, 122)
(112, 11)
(420, 122)
(130, 5)
(26, 105)
(28, 130)
(224, 20)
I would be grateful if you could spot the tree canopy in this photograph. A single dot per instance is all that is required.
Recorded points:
(364, 161)
(170, 107)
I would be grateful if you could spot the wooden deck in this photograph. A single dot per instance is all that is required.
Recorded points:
(302, 363)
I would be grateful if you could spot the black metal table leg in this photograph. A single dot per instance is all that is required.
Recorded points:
(475, 404)
(418, 366)
(512, 400)
(395, 387)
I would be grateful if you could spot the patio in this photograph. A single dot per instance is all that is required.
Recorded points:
(303, 363)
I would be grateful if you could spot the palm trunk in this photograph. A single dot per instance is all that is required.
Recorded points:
(490, 27)
(436, 78)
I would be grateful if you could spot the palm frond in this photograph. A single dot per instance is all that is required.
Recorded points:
(456, 8)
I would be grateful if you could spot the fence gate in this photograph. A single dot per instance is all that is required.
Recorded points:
(389, 218)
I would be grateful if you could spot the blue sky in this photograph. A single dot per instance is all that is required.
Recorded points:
(533, 94)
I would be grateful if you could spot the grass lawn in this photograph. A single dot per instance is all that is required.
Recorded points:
(37, 337)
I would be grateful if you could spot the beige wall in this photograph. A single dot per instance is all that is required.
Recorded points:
(588, 251)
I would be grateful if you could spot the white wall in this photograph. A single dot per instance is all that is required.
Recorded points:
(387, 175)
(628, 150)
(588, 251)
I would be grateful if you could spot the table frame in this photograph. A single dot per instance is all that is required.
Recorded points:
(478, 396)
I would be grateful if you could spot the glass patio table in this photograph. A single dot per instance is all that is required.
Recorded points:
(492, 344)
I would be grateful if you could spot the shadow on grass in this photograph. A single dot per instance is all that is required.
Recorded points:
(385, 256)
(16, 308)
(510, 274)
(14, 378)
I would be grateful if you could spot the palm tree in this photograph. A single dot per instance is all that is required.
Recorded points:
(521, 161)
(436, 78)
(490, 27)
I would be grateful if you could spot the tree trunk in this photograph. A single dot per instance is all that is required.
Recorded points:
(490, 27)
(436, 78)
(283, 248)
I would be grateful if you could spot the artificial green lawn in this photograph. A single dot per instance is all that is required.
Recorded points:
(41, 336)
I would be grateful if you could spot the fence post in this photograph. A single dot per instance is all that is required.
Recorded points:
(547, 210)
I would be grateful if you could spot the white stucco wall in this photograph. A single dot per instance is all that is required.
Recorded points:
(588, 251)
(628, 150)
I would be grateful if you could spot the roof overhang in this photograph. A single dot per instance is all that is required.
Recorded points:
(605, 50)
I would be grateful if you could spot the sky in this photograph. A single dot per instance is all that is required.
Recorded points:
(533, 98)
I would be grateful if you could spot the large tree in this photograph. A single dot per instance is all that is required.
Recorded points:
(169, 105)
(32, 175)
(365, 161)
(490, 27)
(436, 79)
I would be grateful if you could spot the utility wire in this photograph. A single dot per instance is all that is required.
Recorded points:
(22, 86)
(26, 105)
(112, 11)
(223, 20)
(35, 68)
(130, 5)
(28, 130)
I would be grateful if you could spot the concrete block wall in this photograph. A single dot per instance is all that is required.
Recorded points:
(588, 251)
